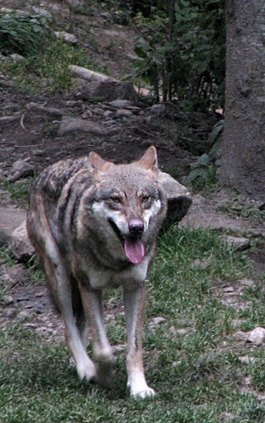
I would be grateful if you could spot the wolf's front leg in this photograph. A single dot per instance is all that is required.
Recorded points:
(134, 308)
(92, 303)
(61, 287)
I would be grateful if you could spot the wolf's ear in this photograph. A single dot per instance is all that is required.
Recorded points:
(98, 164)
(149, 160)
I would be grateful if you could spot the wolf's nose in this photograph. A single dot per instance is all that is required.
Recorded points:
(136, 227)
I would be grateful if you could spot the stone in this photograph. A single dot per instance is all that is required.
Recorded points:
(19, 244)
(240, 335)
(23, 315)
(10, 219)
(240, 243)
(10, 313)
(120, 104)
(256, 336)
(70, 124)
(226, 417)
(246, 282)
(8, 299)
(124, 113)
(182, 331)
(158, 109)
(247, 360)
(156, 321)
(67, 37)
(43, 12)
(178, 199)
(202, 263)
(17, 57)
(229, 289)
(21, 169)
(106, 90)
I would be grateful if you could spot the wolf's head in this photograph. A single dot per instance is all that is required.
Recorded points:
(129, 205)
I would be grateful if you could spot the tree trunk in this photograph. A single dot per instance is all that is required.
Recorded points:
(243, 151)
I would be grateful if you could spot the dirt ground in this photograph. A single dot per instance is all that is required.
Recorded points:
(34, 134)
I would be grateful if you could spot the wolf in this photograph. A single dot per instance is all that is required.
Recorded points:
(94, 226)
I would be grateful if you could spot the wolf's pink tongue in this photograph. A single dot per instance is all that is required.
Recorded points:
(134, 251)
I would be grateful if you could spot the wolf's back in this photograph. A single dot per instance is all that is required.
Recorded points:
(54, 178)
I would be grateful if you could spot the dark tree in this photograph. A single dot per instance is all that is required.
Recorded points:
(243, 155)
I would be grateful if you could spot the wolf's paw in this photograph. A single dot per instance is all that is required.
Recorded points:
(146, 393)
(86, 371)
(105, 374)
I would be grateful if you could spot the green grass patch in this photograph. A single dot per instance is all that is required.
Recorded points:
(19, 189)
(198, 375)
(48, 72)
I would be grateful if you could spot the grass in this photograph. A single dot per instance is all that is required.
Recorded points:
(48, 72)
(19, 189)
(198, 375)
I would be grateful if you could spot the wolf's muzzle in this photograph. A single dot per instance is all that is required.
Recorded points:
(136, 227)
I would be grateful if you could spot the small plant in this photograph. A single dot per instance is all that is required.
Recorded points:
(22, 34)
(19, 189)
(35, 270)
(203, 175)
(204, 172)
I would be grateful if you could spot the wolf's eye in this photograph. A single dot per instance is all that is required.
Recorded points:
(145, 199)
(115, 199)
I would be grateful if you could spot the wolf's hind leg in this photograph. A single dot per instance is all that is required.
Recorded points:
(92, 303)
(61, 289)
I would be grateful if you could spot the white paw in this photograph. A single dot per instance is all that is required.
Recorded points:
(146, 393)
(86, 370)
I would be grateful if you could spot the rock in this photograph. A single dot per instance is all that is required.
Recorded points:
(21, 169)
(17, 57)
(182, 331)
(68, 38)
(240, 243)
(158, 109)
(70, 124)
(43, 12)
(124, 113)
(247, 360)
(75, 3)
(19, 244)
(10, 219)
(108, 90)
(240, 335)
(120, 104)
(203, 214)
(23, 315)
(256, 336)
(229, 290)
(156, 321)
(246, 282)
(10, 313)
(8, 299)
(202, 264)
(178, 198)
(226, 417)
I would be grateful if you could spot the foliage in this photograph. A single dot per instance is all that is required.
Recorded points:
(19, 189)
(183, 52)
(198, 374)
(204, 172)
(22, 34)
